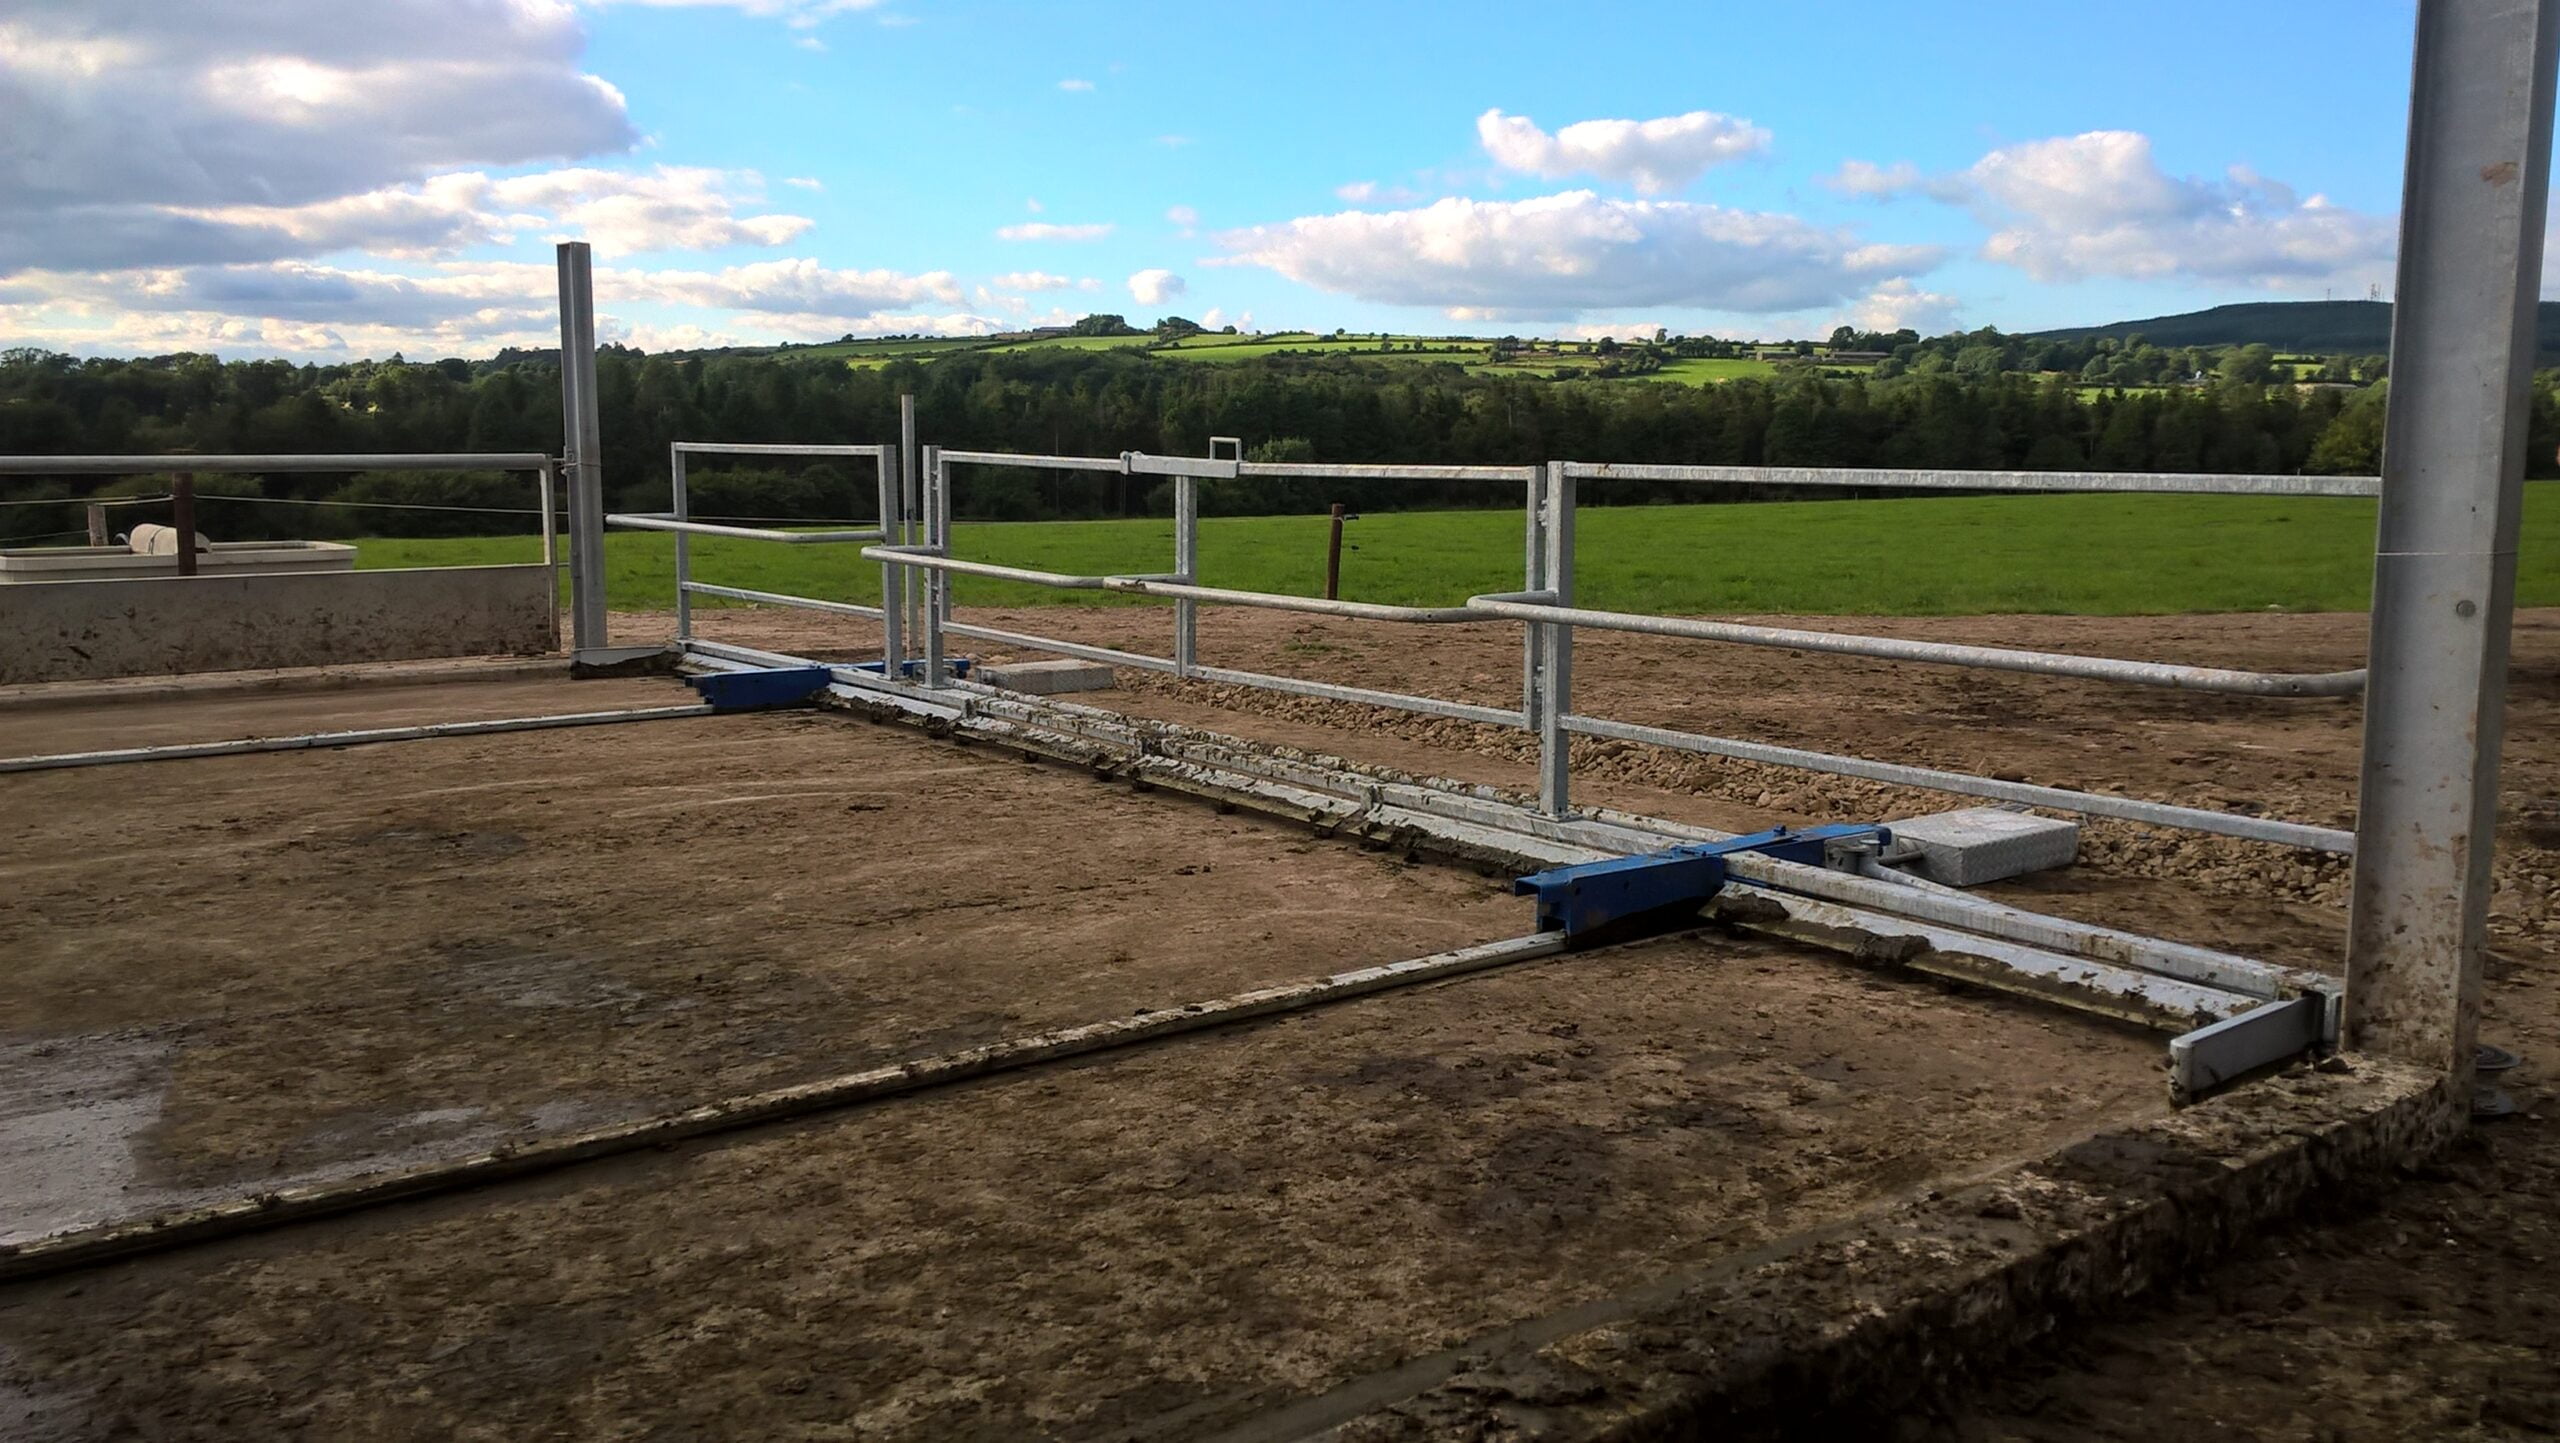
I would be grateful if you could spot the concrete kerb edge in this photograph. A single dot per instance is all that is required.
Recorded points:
(1912, 1299)
(40, 696)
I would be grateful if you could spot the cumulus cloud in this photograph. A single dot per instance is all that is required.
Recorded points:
(804, 182)
(1654, 156)
(1030, 281)
(1899, 303)
(2099, 204)
(455, 308)
(1046, 231)
(1875, 182)
(670, 208)
(1562, 254)
(1183, 217)
(1072, 85)
(1155, 287)
(285, 102)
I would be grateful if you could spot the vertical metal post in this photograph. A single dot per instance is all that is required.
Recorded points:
(911, 587)
(1533, 577)
(545, 490)
(1333, 556)
(937, 584)
(97, 524)
(893, 642)
(182, 519)
(1186, 564)
(582, 444)
(2462, 346)
(684, 543)
(1555, 660)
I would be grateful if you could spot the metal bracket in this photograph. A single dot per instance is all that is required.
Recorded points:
(1590, 895)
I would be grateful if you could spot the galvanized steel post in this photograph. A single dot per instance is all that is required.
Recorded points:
(937, 584)
(911, 588)
(1533, 572)
(893, 642)
(684, 542)
(581, 444)
(2462, 347)
(1555, 658)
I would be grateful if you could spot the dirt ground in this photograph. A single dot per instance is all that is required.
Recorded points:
(231, 972)
(2435, 1316)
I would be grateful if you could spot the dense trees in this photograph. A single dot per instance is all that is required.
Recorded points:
(1947, 407)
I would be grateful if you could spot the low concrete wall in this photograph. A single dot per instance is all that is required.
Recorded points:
(87, 630)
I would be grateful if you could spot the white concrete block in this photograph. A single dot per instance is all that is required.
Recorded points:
(1986, 844)
(1047, 678)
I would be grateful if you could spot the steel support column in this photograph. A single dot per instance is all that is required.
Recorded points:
(1555, 651)
(582, 445)
(2462, 345)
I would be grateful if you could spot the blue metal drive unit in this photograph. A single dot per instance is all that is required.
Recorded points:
(1590, 895)
(770, 687)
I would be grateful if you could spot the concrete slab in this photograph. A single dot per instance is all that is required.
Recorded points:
(1048, 678)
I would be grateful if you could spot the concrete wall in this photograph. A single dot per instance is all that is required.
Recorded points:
(84, 630)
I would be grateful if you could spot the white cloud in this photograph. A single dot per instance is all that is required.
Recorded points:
(804, 182)
(2099, 204)
(1030, 281)
(800, 14)
(1073, 85)
(1876, 182)
(810, 42)
(1357, 192)
(1033, 205)
(1898, 303)
(285, 102)
(1184, 219)
(1173, 142)
(800, 286)
(1561, 254)
(670, 208)
(1652, 155)
(1155, 287)
(1363, 192)
(1044, 231)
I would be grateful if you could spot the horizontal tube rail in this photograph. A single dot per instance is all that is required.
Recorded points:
(1941, 653)
(657, 521)
(2094, 804)
(1881, 479)
(1106, 655)
(727, 448)
(1314, 605)
(776, 598)
(233, 465)
(925, 558)
(1394, 700)
(323, 741)
(1385, 472)
(1045, 463)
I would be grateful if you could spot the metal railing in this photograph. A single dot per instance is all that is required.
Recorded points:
(679, 520)
(1543, 607)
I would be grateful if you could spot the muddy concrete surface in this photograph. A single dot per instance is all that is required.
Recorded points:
(2436, 1316)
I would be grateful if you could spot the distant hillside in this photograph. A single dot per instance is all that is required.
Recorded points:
(2356, 328)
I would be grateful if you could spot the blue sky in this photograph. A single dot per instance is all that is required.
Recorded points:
(284, 177)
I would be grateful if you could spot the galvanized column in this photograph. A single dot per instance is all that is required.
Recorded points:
(1533, 576)
(893, 641)
(937, 584)
(1555, 651)
(684, 543)
(1186, 564)
(582, 445)
(911, 587)
(2462, 345)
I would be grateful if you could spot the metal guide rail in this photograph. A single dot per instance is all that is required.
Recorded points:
(2223, 1014)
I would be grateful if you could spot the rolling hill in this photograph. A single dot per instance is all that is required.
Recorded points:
(2311, 327)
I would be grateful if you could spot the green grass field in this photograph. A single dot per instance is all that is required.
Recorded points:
(2083, 554)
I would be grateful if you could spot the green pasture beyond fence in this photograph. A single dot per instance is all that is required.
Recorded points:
(2098, 555)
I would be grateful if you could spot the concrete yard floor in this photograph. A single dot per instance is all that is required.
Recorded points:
(231, 972)
(2434, 1316)
(1150, 1245)
(258, 969)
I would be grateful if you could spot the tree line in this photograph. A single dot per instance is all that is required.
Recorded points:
(1102, 403)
